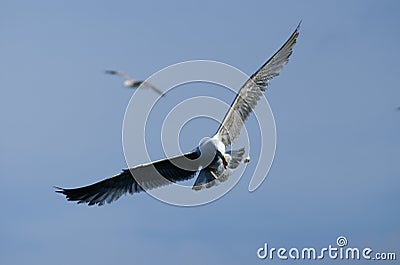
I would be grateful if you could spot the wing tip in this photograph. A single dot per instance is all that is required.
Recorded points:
(59, 190)
(110, 72)
(298, 26)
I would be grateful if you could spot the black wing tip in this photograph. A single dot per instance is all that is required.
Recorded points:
(59, 190)
(110, 72)
(296, 32)
(63, 191)
(298, 26)
(97, 193)
(297, 29)
(69, 197)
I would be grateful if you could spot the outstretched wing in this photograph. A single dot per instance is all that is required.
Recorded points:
(252, 91)
(147, 84)
(121, 74)
(147, 176)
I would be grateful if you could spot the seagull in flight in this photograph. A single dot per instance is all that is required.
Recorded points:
(211, 161)
(130, 82)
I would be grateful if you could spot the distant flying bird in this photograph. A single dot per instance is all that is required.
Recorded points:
(130, 82)
(210, 159)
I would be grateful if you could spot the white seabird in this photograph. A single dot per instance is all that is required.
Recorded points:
(211, 159)
(132, 83)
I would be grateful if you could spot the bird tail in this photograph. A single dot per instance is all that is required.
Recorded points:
(209, 177)
(206, 179)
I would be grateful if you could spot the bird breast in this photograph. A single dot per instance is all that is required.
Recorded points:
(208, 150)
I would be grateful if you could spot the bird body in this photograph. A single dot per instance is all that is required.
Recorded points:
(211, 159)
(132, 83)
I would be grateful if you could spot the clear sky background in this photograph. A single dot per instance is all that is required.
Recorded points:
(336, 170)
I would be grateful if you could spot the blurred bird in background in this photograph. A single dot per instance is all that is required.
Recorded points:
(132, 83)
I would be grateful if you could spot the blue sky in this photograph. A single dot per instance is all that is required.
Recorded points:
(335, 172)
